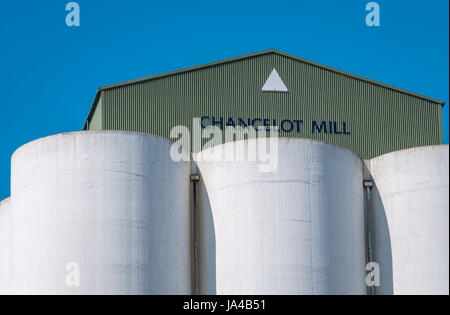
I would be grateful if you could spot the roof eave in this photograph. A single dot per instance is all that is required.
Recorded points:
(361, 78)
(93, 108)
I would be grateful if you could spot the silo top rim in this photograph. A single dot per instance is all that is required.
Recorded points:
(412, 149)
(284, 140)
(92, 132)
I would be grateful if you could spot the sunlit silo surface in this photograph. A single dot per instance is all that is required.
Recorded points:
(359, 180)
(100, 206)
(412, 220)
(5, 212)
(296, 230)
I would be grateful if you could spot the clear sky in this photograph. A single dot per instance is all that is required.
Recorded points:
(50, 72)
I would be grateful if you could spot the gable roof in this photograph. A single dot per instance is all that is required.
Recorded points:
(252, 55)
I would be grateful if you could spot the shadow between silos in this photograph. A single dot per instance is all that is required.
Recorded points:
(207, 244)
(382, 244)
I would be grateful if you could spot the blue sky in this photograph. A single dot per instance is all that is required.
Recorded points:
(50, 72)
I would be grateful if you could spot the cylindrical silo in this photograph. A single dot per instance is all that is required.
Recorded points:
(411, 221)
(99, 213)
(294, 228)
(5, 212)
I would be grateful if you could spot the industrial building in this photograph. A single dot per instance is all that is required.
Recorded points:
(361, 179)
(309, 97)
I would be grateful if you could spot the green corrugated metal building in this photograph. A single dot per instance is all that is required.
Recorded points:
(303, 98)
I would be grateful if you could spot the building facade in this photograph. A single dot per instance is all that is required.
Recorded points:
(359, 185)
(312, 101)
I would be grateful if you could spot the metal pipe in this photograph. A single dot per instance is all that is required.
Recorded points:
(195, 179)
(368, 184)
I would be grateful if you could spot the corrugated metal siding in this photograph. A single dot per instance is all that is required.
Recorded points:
(381, 120)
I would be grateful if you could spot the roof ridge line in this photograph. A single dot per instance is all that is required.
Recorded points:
(188, 69)
(265, 52)
(251, 55)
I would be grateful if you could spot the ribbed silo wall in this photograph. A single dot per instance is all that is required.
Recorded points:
(5, 212)
(99, 213)
(296, 230)
(411, 221)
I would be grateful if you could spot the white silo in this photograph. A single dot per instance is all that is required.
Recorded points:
(298, 229)
(411, 220)
(5, 212)
(99, 213)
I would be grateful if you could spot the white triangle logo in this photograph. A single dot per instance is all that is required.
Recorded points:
(274, 83)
